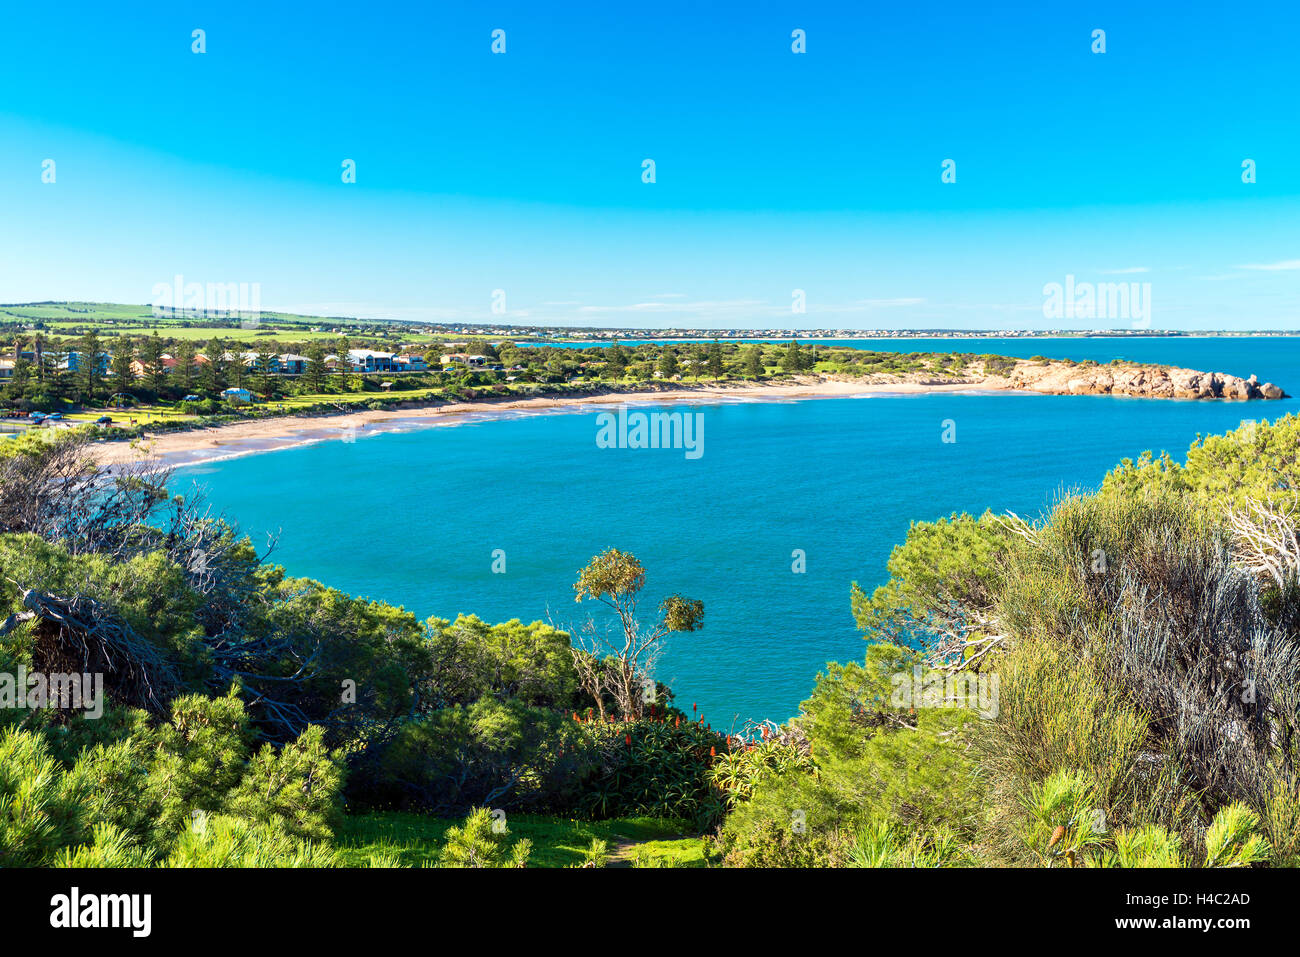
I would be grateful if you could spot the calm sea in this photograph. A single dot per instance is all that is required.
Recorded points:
(415, 517)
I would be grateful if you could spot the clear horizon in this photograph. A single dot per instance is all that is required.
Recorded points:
(270, 315)
(515, 179)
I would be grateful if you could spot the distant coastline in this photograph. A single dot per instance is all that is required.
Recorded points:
(1054, 377)
(54, 316)
(605, 337)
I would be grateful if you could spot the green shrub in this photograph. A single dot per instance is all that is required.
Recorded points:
(1233, 838)
(218, 840)
(1147, 846)
(294, 788)
(200, 757)
(1061, 819)
(654, 766)
(506, 752)
(478, 843)
(881, 844)
(38, 814)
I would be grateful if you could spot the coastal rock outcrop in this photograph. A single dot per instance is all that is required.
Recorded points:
(1160, 382)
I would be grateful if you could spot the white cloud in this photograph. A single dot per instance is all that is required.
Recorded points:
(702, 307)
(886, 303)
(1286, 264)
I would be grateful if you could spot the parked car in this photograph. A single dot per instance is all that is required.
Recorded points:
(104, 420)
(192, 398)
(54, 416)
(36, 416)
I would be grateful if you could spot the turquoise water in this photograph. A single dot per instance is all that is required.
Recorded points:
(414, 517)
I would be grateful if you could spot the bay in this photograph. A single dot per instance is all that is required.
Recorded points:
(415, 517)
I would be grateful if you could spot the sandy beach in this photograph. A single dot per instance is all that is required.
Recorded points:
(267, 435)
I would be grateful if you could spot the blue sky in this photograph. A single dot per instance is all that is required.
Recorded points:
(775, 171)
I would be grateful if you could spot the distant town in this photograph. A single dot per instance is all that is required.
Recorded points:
(61, 318)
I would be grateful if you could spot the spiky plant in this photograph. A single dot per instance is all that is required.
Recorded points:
(1060, 819)
(1233, 839)
(476, 843)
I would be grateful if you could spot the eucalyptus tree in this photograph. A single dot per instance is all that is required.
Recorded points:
(621, 667)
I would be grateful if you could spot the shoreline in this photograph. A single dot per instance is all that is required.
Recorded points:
(219, 443)
(1027, 377)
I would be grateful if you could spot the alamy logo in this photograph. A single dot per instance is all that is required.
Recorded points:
(242, 299)
(939, 690)
(651, 430)
(36, 690)
(1103, 300)
(74, 910)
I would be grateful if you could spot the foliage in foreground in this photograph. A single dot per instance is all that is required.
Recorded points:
(193, 792)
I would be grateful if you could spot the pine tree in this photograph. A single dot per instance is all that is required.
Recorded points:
(715, 360)
(90, 374)
(123, 354)
(792, 361)
(477, 843)
(184, 371)
(754, 362)
(668, 362)
(343, 370)
(22, 372)
(214, 370)
(316, 366)
(56, 376)
(617, 360)
(151, 359)
(266, 360)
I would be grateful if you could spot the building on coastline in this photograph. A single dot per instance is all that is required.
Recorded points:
(369, 360)
(75, 363)
(139, 371)
(251, 360)
(409, 362)
(465, 359)
(237, 395)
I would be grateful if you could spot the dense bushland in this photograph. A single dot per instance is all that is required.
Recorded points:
(247, 710)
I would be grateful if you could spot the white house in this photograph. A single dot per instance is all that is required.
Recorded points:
(462, 358)
(250, 360)
(409, 362)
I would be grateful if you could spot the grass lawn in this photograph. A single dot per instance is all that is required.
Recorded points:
(203, 334)
(143, 414)
(416, 839)
(112, 319)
